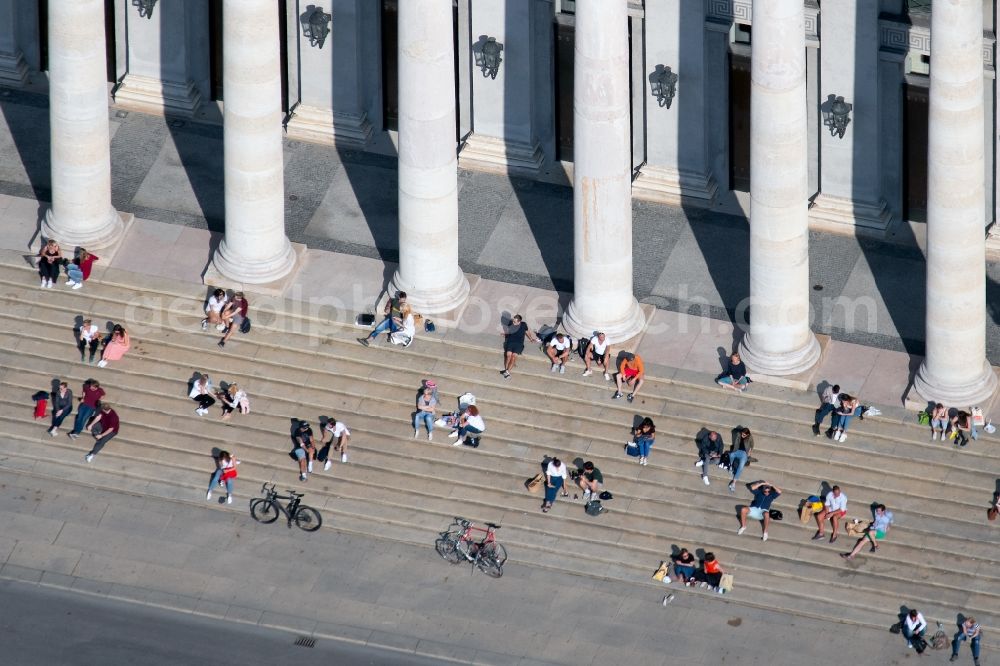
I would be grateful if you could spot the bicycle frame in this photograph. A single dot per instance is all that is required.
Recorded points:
(467, 535)
(293, 502)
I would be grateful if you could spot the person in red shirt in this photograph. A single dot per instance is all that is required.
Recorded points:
(79, 270)
(234, 313)
(92, 394)
(109, 428)
(711, 573)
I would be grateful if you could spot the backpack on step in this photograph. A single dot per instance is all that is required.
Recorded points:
(594, 508)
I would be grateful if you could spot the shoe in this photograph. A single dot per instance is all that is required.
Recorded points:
(721, 466)
(303, 477)
(200, 411)
(667, 580)
(933, 436)
(416, 433)
(220, 327)
(873, 549)
(89, 457)
(453, 433)
(42, 285)
(764, 538)
(703, 585)
(607, 377)
(70, 283)
(101, 363)
(587, 373)
(72, 435)
(630, 397)
(229, 499)
(505, 374)
(720, 590)
(833, 538)
(430, 436)
(457, 442)
(222, 343)
(48, 285)
(954, 657)
(562, 369)
(843, 437)
(208, 496)
(554, 368)
(699, 463)
(817, 536)
(732, 487)
(741, 531)
(705, 479)
(343, 457)
(77, 285)
(53, 432)
(327, 465)
(309, 467)
(364, 341)
(815, 430)
(846, 556)
(204, 324)
(909, 645)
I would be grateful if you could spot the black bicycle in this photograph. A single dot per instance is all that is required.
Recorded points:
(267, 509)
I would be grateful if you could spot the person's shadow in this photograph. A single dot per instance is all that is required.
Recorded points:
(723, 358)
(821, 387)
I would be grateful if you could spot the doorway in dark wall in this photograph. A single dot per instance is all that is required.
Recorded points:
(739, 121)
(565, 38)
(215, 48)
(914, 152)
(109, 41)
(43, 35)
(283, 51)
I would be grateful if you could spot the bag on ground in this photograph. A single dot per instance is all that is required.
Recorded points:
(245, 325)
(923, 418)
(726, 582)
(365, 319)
(775, 514)
(855, 527)
(41, 404)
(605, 495)
(896, 628)
(919, 644)
(534, 484)
(594, 508)
(632, 449)
(977, 416)
(661, 572)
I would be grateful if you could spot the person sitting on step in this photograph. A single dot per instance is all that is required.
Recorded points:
(469, 423)
(590, 480)
(558, 350)
(631, 373)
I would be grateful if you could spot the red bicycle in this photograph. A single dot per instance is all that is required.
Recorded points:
(459, 541)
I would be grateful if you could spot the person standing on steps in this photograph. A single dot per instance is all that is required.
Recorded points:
(598, 351)
(939, 422)
(913, 625)
(764, 494)
(225, 472)
(213, 310)
(644, 435)
(555, 478)
(234, 313)
(49, 259)
(89, 336)
(969, 631)
(340, 436)
(831, 395)
(878, 529)
(62, 406)
(631, 373)
(709, 452)
(558, 350)
(735, 375)
(834, 509)
(739, 455)
(116, 346)
(393, 319)
(201, 392)
(92, 394)
(513, 343)
(78, 270)
(426, 409)
(107, 418)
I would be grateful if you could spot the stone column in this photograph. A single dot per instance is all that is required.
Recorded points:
(255, 249)
(428, 166)
(81, 213)
(779, 341)
(602, 199)
(13, 69)
(158, 78)
(955, 370)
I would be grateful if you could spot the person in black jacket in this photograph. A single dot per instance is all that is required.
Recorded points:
(735, 376)
(62, 406)
(709, 452)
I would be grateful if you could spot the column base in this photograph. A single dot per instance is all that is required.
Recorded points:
(489, 153)
(107, 235)
(933, 389)
(149, 95)
(316, 125)
(782, 364)
(580, 325)
(446, 304)
(13, 70)
(840, 215)
(215, 277)
(675, 187)
(993, 243)
(229, 270)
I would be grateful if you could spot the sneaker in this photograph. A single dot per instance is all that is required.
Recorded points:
(817, 536)
(732, 486)
(720, 590)
(554, 368)
(229, 499)
(705, 479)
(764, 538)
(89, 457)
(70, 283)
(309, 467)
(430, 437)
(72, 435)
(453, 433)
(53, 432)
(587, 373)
(204, 324)
(562, 369)
(909, 645)
(703, 585)
(933, 436)
(327, 465)
(505, 374)
(303, 477)
(815, 430)
(607, 377)
(617, 395)
(843, 437)
(699, 463)
(77, 285)
(42, 285)
(741, 531)
(220, 327)
(208, 496)
(954, 657)
(101, 363)
(343, 457)
(457, 442)
(667, 580)
(630, 397)
(222, 343)
(48, 285)
(416, 433)
(200, 411)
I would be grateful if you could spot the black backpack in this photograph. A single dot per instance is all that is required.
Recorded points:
(245, 325)
(594, 508)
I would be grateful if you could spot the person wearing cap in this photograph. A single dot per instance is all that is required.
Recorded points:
(631, 373)
(764, 494)
(305, 449)
(598, 350)
(233, 315)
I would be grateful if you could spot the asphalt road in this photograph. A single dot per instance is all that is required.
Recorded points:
(48, 627)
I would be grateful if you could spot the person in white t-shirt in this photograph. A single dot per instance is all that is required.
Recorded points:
(558, 350)
(213, 310)
(834, 508)
(339, 438)
(555, 480)
(89, 337)
(599, 351)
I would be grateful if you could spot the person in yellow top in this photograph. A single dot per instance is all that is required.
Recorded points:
(631, 373)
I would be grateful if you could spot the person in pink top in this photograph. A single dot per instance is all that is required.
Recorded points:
(116, 346)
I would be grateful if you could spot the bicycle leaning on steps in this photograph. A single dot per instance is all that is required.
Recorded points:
(267, 509)
(459, 541)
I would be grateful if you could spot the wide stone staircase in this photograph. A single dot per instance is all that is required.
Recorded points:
(941, 556)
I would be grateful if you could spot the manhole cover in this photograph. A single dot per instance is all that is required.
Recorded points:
(305, 641)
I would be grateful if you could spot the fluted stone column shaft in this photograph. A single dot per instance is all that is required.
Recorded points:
(780, 341)
(81, 213)
(255, 249)
(955, 370)
(428, 166)
(602, 186)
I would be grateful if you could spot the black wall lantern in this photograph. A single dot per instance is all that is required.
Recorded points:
(145, 7)
(837, 116)
(663, 84)
(315, 25)
(488, 58)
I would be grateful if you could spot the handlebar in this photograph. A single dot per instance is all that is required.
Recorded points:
(464, 522)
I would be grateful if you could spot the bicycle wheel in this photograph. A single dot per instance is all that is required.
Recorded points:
(445, 547)
(496, 551)
(264, 511)
(489, 564)
(308, 518)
